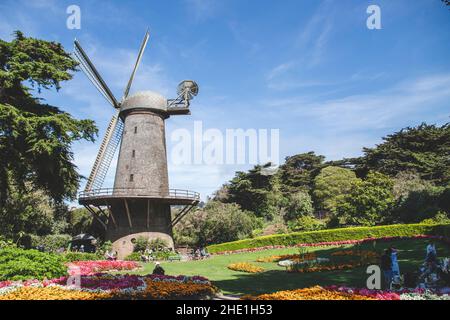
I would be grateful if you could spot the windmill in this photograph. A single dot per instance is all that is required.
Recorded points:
(139, 204)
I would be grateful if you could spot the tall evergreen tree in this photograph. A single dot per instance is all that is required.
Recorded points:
(36, 138)
(424, 149)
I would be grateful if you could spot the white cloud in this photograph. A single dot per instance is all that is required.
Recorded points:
(347, 124)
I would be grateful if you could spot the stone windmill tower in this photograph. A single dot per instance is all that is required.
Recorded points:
(140, 201)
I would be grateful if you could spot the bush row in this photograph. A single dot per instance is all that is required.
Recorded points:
(354, 233)
(20, 264)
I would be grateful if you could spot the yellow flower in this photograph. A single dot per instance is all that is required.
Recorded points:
(245, 267)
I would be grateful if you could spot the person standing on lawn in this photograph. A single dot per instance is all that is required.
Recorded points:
(395, 266)
(386, 266)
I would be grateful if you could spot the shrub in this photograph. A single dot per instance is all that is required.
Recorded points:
(217, 222)
(422, 204)
(300, 204)
(51, 242)
(140, 244)
(306, 223)
(134, 256)
(158, 244)
(354, 233)
(81, 256)
(20, 264)
(368, 202)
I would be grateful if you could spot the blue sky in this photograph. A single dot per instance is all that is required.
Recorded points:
(311, 69)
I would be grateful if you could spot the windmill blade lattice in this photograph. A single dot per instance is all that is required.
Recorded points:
(138, 61)
(106, 153)
(93, 75)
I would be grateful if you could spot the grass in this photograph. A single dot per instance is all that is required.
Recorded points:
(411, 254)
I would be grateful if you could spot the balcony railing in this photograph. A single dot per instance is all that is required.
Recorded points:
(134, 192)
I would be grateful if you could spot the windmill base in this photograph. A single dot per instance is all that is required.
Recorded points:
(126, 218)
(138, 218)
(124, 246)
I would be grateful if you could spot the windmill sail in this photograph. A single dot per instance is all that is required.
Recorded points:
(106, 153)
(138, 61)
(94, 76)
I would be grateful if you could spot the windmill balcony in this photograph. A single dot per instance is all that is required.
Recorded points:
(102, 196)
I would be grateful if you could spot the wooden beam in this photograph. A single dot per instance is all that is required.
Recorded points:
(111, 214)
(148, 213)
(94, 214)
(182, 213)
(128, 213)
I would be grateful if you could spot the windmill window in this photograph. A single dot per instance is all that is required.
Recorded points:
(131, 177)
(133, 154)
(135, 129)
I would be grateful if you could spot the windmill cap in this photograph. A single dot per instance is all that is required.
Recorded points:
(145, 100)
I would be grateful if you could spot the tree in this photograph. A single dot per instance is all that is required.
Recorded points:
(423, 149)
(407, 182)
(369, 202)
(331, 185)
(27, 212)
(36, 138)
(298, 172)
(299, 205)
(216, 223)
(255, 192)
(421, 204)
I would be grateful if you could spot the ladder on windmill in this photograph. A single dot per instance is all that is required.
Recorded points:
(106, 153)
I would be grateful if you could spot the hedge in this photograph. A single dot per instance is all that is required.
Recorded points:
(51, 242)
(354, 233)
(20, 264)
(81, 256)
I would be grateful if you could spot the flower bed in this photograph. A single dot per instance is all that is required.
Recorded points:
(345, 293)
(92, 267)
(107, 286)
(245, 267)
(313, 293)
(349, 259)
(294, 257)
(405, 294)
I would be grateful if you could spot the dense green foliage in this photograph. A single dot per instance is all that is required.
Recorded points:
(299, 204)
(134, 256)
(81, 256)
(20, 264)
(368, 202)
(423, 204)
(36, 138)
(51, 242)
(306, 223)
(216, 222)
(354, 233)
(254, 192)
(423, 149)
(299, 171)
(331, 185)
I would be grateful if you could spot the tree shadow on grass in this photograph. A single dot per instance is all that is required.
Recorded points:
(277, 280)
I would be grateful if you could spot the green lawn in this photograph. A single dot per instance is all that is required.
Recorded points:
(411, 254)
